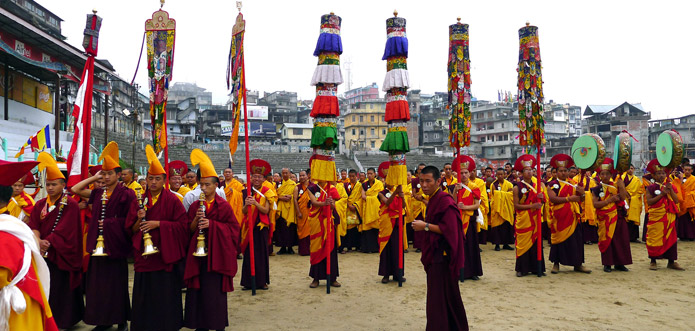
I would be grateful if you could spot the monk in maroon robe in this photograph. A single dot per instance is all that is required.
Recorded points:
(157, 284)
(209, 278)
(56, 221)
(442, 255)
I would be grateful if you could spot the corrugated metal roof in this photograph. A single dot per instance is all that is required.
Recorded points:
(602, 109)
(298, 125)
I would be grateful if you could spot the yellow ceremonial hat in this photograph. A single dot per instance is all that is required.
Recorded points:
(203, 162)
(46, 161)
(155, 166)
(110, 156)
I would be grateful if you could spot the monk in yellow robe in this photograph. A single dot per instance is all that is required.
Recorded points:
(608, 198)
(528, 204)
(303, 203)
(502, 212)
(130, 182)
(21, 204)
(418, 207)
(449, 179)
(635, 190)
(369, 208)
(176, 171)
(286, 219)
(324, 237)
(589, 221)
(391, 212)
(353, 189)
(686, 216)
(475, 182)
(661, 226)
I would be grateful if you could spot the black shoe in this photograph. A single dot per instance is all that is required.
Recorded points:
(621, 268)
(282, 251)
(239, 257)
(102, 327)
(497, 248)
(418, 250)
(405, 250)
(507, 247)
(475, 278)
(385, 280)
(290, 251)
(607, 268)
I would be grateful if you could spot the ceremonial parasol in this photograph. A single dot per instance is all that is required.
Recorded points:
(325, 111)
(530, 98)
(396, 85)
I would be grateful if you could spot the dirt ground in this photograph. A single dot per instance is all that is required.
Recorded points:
(636, 300)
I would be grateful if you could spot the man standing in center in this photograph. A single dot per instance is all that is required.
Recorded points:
(370, 212)
(286, 222)
(209, 278)
(324, 234)
(468, 202)
(157, 285)
(528, 203)
(565, 230)
(393, 210)
(442, 255)
(257, 207)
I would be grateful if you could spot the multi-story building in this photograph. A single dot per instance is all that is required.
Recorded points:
(609, 121)
(365, 128)
(298, 134)
(360, 94)
(685, 126)
(180, 91)
(282, 107)
(495, 125)
(562, 120)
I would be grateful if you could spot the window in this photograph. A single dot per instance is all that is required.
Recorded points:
(482, 139)
(383, 132)
(491, 126)
(373, 145)
(361, 118)
(297, 132)
(372, 131)
(354, 118)
(353, 132)
(361, 132)
(502, 125)
(371, 118)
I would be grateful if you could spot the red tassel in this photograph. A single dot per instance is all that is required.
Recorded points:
(397, 110)
(325, 105)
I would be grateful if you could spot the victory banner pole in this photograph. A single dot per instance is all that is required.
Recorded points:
(530, 98)
(160, 33)
(325, 111)
(397, 115)
(236, 82)
(459, 88)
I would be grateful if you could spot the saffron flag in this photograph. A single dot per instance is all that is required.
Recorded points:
(235, 78)
(78, 158)
(38, 142)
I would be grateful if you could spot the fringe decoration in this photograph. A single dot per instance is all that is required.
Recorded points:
(396, 46)
(327, 74)
(325, 137)
(325, 106)
(329, 42)
(397, 111)
(396, 78)
(396, 142)
(397, 175)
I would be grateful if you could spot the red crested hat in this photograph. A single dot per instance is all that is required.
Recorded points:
(259, 166)
(177, 168)
(14, 171)
(525, 161)
(561, 160)
(384, 169)
(28, 179)
(465, 162)
(655, 166)
(94, 169)
(607, 165)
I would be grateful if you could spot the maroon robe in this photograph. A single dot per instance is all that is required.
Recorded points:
(210, 278)
(418, 236)
(106, 283)
(64, 259)
(443, 258)
(157, 286)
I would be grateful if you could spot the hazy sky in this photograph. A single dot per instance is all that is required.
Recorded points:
(593, 52)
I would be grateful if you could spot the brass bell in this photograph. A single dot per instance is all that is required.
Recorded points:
(99, 250)
(200, 249)
(149, 247)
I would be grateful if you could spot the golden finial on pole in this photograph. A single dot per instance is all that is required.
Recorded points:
(332, 13)
(161, 4)
(395, 13)
(238, 6)
(528, 23)
(458, 20)
(94, 11)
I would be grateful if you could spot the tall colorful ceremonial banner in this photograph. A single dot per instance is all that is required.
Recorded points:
(325, 111)
(160, 32)
(396, 85)
(78, 158)
(459, 86)
(530, 98)
(235, 80)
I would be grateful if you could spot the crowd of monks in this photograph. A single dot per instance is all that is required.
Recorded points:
(160, 222)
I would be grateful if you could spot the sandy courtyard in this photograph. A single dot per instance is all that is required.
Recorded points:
(636, 300)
